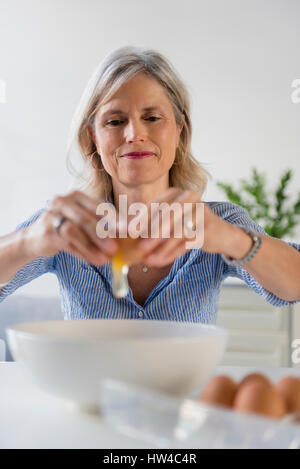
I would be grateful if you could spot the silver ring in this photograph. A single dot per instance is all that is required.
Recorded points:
(58, 222)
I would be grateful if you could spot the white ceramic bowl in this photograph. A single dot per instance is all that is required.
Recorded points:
(69, 358)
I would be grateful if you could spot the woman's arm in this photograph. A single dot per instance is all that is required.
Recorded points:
(276, 266)
(14, 254)
(78, 235)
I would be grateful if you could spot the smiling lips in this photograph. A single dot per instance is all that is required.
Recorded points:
(138, 155)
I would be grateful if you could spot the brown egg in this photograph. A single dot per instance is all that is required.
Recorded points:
(220, 390)
(128, 249)
(289, 389)
(261, 398)
(258, 377)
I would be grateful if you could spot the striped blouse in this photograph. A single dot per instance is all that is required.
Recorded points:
(190, 292)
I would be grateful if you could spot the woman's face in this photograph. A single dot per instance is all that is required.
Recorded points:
(134, 129)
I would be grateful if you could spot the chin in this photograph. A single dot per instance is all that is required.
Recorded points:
(141, 177)
(138, 182)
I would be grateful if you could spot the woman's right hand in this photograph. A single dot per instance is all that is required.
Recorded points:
(77, 233)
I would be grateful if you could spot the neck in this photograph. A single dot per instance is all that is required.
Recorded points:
(144, 193)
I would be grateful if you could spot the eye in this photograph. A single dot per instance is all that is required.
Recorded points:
(112, 122)
(154, 117)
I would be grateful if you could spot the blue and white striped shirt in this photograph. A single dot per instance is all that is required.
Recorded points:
(190, 292)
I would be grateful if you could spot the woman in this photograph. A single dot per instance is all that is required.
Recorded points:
(135, 102)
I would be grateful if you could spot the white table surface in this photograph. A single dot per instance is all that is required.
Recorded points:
(30, 418)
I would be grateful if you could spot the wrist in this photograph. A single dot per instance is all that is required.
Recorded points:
(26, 245)
(14, 255)
(237, 243)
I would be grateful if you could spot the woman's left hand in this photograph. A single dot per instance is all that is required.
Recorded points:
(211, 232)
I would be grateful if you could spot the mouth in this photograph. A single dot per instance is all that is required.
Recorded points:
(138, 155)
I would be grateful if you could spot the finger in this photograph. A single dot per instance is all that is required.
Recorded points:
(164, 249)
(71, 234)
(152, 209)
(174, 227)
(85, 201)
(166, 198)
(178, 202)
(171, 222)
(142, 220)
(164, 256)
(89, 204)
(69, 208)
(69, 247)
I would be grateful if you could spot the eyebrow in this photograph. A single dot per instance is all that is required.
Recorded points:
(119, 111)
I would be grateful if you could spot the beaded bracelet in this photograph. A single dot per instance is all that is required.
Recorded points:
(257, 241)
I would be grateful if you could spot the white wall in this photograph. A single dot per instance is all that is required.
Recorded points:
(237, 57)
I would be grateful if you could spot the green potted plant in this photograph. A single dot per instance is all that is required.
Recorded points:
(270, 210)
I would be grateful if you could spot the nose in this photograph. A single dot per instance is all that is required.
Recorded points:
(135, 131)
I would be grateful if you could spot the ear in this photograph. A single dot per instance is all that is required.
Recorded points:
(90, 131)
(183, 121)
(180, 127)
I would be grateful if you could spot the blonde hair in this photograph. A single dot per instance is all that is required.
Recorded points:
(116, 69)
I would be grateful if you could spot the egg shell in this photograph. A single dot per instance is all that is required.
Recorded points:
(289, 389)
(258, 377)
(258, 397)
(128, 252)
(220, 390)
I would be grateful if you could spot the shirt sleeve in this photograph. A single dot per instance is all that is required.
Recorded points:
(33, 269)
(237, 215)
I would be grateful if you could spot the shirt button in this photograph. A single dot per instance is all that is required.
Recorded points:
(141, 314)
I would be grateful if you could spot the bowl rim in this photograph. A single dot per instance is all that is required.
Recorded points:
(16, 329)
